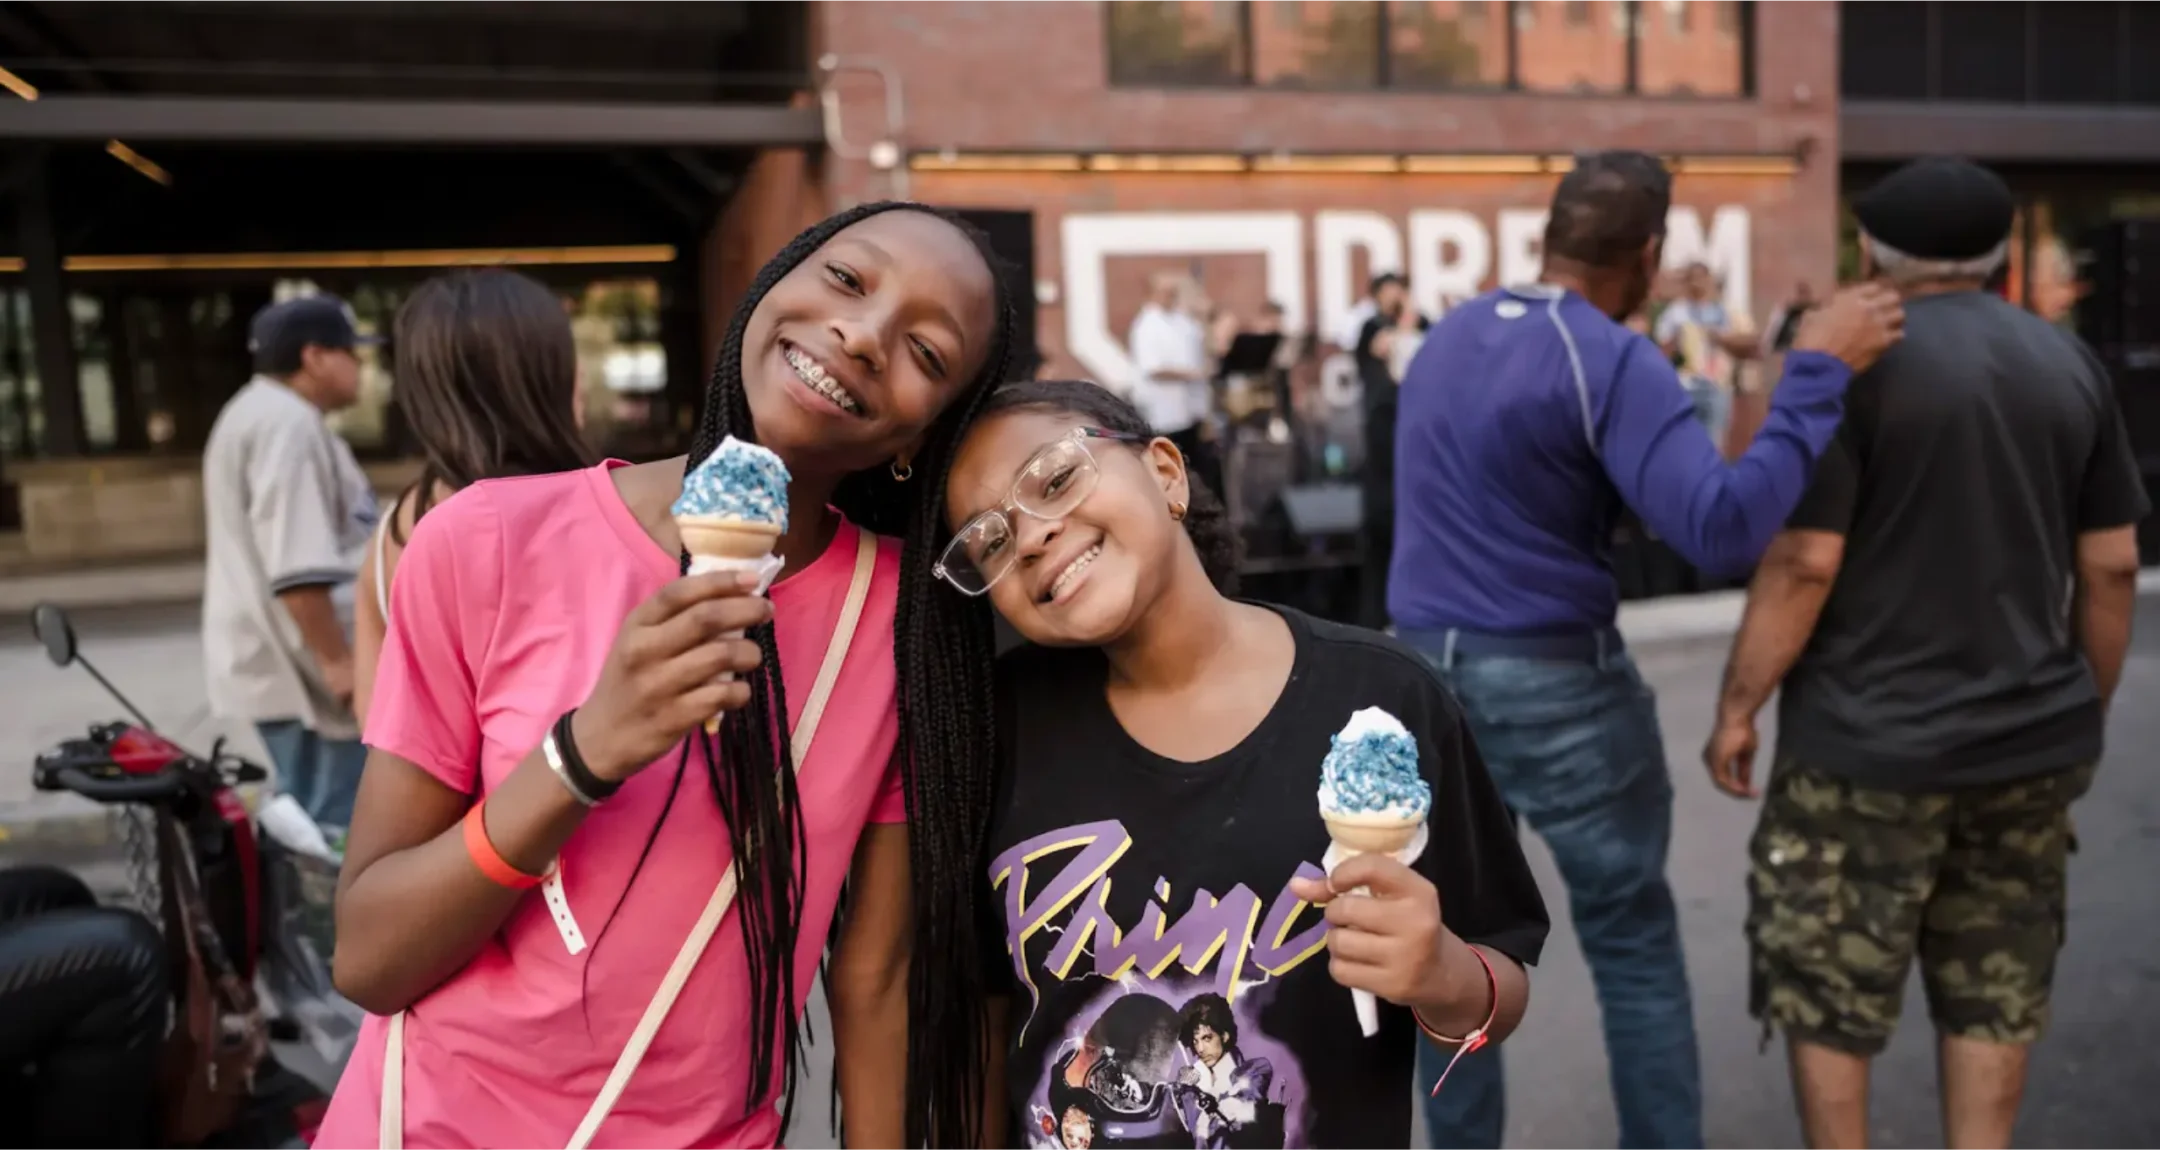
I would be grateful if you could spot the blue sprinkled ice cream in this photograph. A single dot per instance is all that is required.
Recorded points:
(1371, 776)
(731, 513)
(1374, 801)
(739, 481)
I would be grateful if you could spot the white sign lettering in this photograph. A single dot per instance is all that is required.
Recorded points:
(1450, 256)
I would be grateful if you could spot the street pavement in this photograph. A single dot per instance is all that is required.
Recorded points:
(2091, 1085)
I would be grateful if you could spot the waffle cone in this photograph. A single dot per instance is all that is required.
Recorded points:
(1371, 834)
(726, 538)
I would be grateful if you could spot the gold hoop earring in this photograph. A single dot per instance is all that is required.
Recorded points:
(1177, 512)
(902, 471)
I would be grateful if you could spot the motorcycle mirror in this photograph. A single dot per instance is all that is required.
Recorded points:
(58, 634)
(55, 632)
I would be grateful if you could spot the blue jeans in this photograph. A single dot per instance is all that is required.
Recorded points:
(1713, 408)
(1575, 748)
(321, 774)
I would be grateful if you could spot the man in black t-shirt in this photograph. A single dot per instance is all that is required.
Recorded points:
(1167, 986)
(1948, 609)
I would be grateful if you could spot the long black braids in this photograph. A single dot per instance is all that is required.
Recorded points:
(943, 651)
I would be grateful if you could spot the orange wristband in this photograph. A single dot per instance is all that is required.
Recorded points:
(1475, 1038)
(484, 855)
(1468, 1042)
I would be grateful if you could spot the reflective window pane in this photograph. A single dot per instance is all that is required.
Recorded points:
(2141, 42)
(1166, 42)
(1316, 44)
(1883, 51)
(622, 368)
(1448, 44)
(1572, 47)
(1586, 47)
(2077, 47)
(1690, 48)
(1983, 52)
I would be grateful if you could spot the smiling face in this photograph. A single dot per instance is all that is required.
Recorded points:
(1077, 1130)
(848, 360)
(1085, 578)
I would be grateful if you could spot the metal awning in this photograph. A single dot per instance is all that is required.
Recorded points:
(1999, 133)
(408, 122)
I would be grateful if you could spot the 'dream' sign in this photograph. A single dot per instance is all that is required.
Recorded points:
(1446, 254)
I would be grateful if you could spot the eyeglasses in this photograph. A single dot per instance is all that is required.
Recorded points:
(1053, 483)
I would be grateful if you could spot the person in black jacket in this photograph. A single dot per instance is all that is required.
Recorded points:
(1374, 353)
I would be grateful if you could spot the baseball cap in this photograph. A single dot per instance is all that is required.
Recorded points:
(280, 332)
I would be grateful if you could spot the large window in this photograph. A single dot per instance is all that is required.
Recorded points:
(1156, 42)
(2063, 52)
(1646, 47)
(157, 357)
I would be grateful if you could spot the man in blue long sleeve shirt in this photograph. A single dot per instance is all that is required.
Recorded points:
(1527, 420)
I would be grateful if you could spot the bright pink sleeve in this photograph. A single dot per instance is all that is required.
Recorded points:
(444, 594)
(891, 804)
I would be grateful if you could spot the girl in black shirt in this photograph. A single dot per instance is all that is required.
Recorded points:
(1154, 860)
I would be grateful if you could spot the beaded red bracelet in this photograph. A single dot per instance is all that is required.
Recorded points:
(490, 862)
(1475, 1038)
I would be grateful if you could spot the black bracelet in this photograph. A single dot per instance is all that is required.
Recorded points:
(581, 776)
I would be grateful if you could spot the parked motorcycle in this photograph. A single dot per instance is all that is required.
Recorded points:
(243, 907)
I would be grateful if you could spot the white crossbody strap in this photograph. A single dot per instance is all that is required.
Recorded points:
(708, 923)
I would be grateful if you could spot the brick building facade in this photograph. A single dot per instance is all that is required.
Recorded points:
(1284, 150)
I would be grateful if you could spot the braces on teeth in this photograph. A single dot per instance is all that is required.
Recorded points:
(811, 373)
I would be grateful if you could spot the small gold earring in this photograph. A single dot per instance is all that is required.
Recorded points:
(1177, 512)
(902, 471)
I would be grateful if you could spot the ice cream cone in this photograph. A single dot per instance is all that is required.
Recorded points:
(1374, 801)
(1370, 833)
(726, 537)
(723, 543)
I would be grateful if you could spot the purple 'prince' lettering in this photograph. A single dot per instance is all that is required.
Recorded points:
(1218, 931)
(1103, 844)
(1195, 940)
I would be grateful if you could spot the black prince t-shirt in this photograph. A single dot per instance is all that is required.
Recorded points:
(1167, 988)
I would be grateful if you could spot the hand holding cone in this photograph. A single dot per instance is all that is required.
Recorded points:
(732, 513)
(1374, 800)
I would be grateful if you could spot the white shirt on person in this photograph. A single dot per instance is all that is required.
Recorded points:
(1695, 327)
(1165, 340)
(285, 505)
(1353, 325)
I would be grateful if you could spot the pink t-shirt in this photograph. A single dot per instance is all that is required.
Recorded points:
(503, 609)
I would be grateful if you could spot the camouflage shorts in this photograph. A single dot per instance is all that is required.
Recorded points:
(1846, 884)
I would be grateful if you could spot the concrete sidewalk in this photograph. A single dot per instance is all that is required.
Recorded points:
(1677, 618)
(130, 585)
(142, 635)
(181, 581)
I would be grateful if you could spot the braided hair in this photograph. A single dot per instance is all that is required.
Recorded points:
(942, 648)
(1207, 521)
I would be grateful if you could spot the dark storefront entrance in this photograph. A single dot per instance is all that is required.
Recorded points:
(160, 282)
(182, 164)
(2061, 99)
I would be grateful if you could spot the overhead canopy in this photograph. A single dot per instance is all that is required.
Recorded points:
(549, 52)
(408, 122)
(1997, 133)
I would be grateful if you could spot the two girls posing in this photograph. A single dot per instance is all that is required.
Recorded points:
(545, 830)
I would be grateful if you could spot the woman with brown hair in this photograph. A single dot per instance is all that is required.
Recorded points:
(487, 379)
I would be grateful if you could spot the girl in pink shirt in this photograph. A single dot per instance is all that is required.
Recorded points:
(544, 651)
